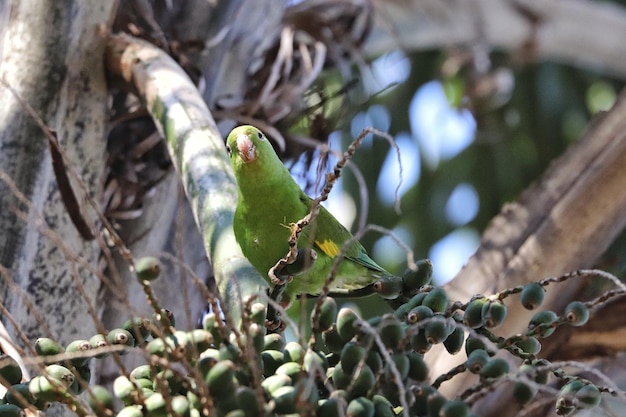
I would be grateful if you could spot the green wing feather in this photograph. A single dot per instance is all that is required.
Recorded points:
(330, 235)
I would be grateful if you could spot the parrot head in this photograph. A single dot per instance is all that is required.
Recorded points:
(247, 145)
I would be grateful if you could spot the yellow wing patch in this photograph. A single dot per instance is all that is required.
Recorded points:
(328, 247)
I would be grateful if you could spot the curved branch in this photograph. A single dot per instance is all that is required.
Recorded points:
(197, 150)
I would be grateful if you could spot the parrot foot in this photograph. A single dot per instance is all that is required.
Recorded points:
(292, 265)
(277, 326)
(273, 322)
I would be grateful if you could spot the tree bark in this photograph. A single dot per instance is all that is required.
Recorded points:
(52, 58)
(49, 49)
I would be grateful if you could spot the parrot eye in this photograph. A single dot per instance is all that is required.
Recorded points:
(228, 150)
(260, 135)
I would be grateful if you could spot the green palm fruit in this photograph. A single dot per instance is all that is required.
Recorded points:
(212, 323)
(272, 359)
(256, 333)
(418, 370)
(494, 368)
(78, 347)
(419, 343)
(273, 341)
(291, 369)
(476, 360)
(169, 380)
(221, 378)
(421, 393)
(360, 407)
(351, 354)
(576, 313)
(44, 346)
(10, 371)
(48, 388)
(523, 393)
(402, 365)
(273, 382)
(294, 352)
(99, 341)
(391, 332)
(473, 317)
(258, 312)
(121, 337)
(247, 400)
(419, 313)
(200, 340)
(139, 328)
(436, 331)
(61, 373)
(180, 406)
(124, 389)
(454, 408)
(19, 394)
(472, 343)
(341, 379)
(131, 411)
(437, 300)
(83, 376)
(382, 407)
(529, 344)
(545, 320)
(402, 311)
(364, 381)
(588, 396)
(541, 377)
(144, 384)
(327, 314)
(434, 404)
(494, 314)
(532, 295)
(231, 352)
(11, 410)
(413, 280)
(99, 399)
(315, 363)
(285, 399)
(566, 401)
(374, 361)
(332, 407)
(346, 319)
(454, 342)
(148, 268)
(155, 405)
(158, 347)
(332, 340)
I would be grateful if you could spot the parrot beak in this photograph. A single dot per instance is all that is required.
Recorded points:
(246, 148)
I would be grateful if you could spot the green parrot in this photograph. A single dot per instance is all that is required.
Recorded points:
(269, 202)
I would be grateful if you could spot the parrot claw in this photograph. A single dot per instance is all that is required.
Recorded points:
(275, 326)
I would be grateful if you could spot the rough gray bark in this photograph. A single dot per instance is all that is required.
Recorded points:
(49, 49)
(52, 57)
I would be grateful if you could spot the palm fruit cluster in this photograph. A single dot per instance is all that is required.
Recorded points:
(350, 366)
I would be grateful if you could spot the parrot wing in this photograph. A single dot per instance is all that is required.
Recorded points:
(329, 236)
